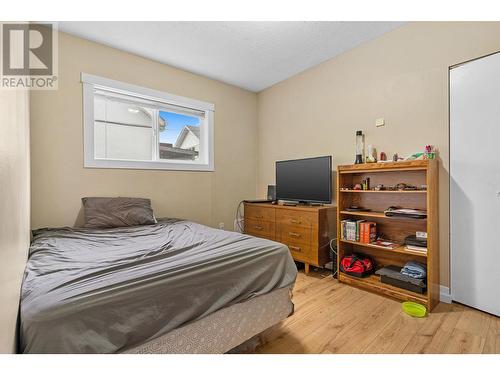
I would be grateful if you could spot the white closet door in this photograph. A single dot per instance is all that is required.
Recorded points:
(475, 183)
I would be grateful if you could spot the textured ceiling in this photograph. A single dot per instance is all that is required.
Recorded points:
(251, 55)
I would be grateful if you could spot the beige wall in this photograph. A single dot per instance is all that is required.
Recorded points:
(14, 208)
(402, 76)
(59, 180)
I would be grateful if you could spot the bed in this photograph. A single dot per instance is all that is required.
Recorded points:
(170, 287)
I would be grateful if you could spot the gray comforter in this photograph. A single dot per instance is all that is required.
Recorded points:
(105, 290)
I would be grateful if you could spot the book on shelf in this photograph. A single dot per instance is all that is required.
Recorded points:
(358, 223)
(419, 249)
(350, 230)
(368, 232)
(421, 235)
(416, 243)
(405, 212)
(385, 244)
(358, 230)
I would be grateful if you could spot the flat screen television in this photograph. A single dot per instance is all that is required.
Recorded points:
(305, 180)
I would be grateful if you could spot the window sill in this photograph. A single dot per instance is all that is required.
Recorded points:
(149, 165)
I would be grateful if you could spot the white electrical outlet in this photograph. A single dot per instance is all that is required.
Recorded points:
(380, 122)
(221, 225)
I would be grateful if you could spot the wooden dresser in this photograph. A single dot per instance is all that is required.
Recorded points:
(306, 230)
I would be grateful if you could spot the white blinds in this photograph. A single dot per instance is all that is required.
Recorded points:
(147, 102)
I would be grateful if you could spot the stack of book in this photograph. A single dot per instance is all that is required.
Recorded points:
(417, 243)
(358, 230)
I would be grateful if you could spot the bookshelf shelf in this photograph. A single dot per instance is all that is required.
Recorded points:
(373, 283)
(385, 191)
(417, 173)
(400, 249)
(376, 214)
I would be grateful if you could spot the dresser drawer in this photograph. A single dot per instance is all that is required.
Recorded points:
(291, 217)
(260, 228)
(259, 213)
(294, 233)
(300, 252)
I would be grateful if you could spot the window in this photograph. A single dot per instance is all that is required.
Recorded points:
(127, 126)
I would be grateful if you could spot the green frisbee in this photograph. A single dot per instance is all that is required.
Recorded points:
(414, 309)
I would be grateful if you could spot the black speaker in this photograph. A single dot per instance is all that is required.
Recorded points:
(271, 192)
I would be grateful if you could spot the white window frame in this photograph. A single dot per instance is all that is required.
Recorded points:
(206, 158)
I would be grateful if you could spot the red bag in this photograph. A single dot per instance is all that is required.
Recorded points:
(357, 265)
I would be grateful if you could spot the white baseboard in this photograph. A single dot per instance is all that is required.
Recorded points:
(444, 294)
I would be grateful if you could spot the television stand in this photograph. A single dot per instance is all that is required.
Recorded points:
(301, 203)
(311, 204)
(306, 230)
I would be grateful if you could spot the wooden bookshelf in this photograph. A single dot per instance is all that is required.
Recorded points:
(422, 172)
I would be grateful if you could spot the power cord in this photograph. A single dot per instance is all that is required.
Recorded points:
(333, 249)
(239, 219)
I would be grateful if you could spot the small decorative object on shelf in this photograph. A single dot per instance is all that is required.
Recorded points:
(385, 244)
(430, 152)
(403, 186)
(383, 156)
(354, 208)
(360, 147)
(365, 183)
(371, 157)
(416, 156)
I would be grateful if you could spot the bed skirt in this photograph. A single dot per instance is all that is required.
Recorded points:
(224, 329)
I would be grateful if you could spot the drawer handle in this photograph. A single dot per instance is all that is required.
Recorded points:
(259, 216)
(293, 234)
(258, 227)
(295, 221)
(295, 248)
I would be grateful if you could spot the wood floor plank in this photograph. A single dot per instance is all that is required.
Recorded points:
(461, 342)
(291, 338)
(492, 344)
(337, 321)
(336, 318)
(395, 336)
(474, 322)
(443, 318)
(358, 335)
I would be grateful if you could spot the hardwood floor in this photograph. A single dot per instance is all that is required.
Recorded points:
(336, 318)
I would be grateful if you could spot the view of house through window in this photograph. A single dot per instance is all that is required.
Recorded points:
(122, 128)
(128, 129)
(179, 136)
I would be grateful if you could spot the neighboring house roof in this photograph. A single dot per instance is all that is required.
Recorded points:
(167, 151)
(195, 130)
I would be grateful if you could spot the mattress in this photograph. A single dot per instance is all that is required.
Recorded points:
(107, 290)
